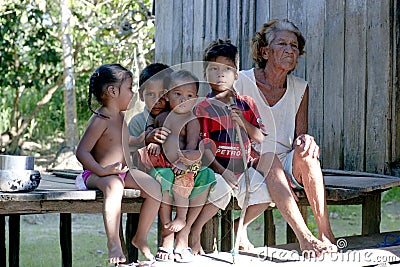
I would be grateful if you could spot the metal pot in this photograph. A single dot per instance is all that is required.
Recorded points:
(9, 162)
(17, 173)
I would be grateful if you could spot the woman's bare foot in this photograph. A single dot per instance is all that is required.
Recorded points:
(312, 247)
(142, 245)
(176, 225)
(115, 254)
(327, 237)
(195, 244)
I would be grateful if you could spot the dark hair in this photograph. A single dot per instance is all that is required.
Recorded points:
(181, 74)
(266, 35)
(223, 48)
(157, 71)
(104, 76)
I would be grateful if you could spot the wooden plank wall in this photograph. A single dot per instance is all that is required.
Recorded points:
(350, 63)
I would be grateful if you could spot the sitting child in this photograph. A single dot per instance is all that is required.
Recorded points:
(177, 165)
(102, 152)
(151, 92)
(218, 114)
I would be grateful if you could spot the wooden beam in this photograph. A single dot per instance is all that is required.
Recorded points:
(3, 258)
(371, 214)
(13, 240)
(66, 239)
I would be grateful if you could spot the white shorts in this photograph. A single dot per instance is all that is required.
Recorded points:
(221, 192)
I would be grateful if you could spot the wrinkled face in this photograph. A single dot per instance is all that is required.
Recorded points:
(221, 73)
(182, 95)
(283, 51)
(125, 93)
(153, 96)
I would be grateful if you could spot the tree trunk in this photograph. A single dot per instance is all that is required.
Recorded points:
(70, 117)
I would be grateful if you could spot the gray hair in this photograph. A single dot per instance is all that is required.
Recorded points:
(267, 34)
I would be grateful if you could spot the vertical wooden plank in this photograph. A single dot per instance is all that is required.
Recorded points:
(269, 228)
(262, 13)
(209, 234)
(13, 240)
(371, 214)
(297, 13)
(3, 258)
(210, 21)
(132, 220)
(395, 130)
(66, 239)
(333, 83)
(198, 43)
(223, 19)
(234, 18)
(315, 68)
(278, 9)
(379, 60)
(187, 31)
(176, 32)
(354, 89)
(164, 30)
(226, 230)
(247, 32)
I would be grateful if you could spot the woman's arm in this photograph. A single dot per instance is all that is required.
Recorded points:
(301, 126)
(304, 144)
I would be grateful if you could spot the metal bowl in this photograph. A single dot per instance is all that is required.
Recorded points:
(10, 162)
(19, 180)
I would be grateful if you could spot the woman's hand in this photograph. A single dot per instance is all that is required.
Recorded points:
(158, 135)
(115, 168)
(306, 146)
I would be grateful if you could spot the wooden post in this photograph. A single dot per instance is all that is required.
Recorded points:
(209, 235)
(13, 240)
(66, 239)
(226, 228)
(132, 221)
(3, 258)
(371, 214)
(269, 228)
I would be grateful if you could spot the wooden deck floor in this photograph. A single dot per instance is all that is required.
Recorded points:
(359, 251)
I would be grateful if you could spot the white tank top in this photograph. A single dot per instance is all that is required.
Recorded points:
(280, 119)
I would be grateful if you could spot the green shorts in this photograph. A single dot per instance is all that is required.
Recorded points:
(203, 181)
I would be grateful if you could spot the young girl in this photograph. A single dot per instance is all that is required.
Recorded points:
(103, 151)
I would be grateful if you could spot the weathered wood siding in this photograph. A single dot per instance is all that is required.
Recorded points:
(350, 63)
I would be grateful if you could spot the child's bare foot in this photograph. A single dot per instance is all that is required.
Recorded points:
(115, 254)
(176, 225)
(195, 244)
(143, 247)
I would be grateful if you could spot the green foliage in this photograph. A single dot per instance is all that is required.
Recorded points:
(31, 56)
(392, 195)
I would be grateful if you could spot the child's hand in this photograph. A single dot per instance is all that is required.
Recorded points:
(237, 115)
(133, 140)
(158, 135)
(231, 179)
(115, 168)
(178, 167)
(154, 149)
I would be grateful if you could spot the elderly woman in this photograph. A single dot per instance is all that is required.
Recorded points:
(289, 156)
